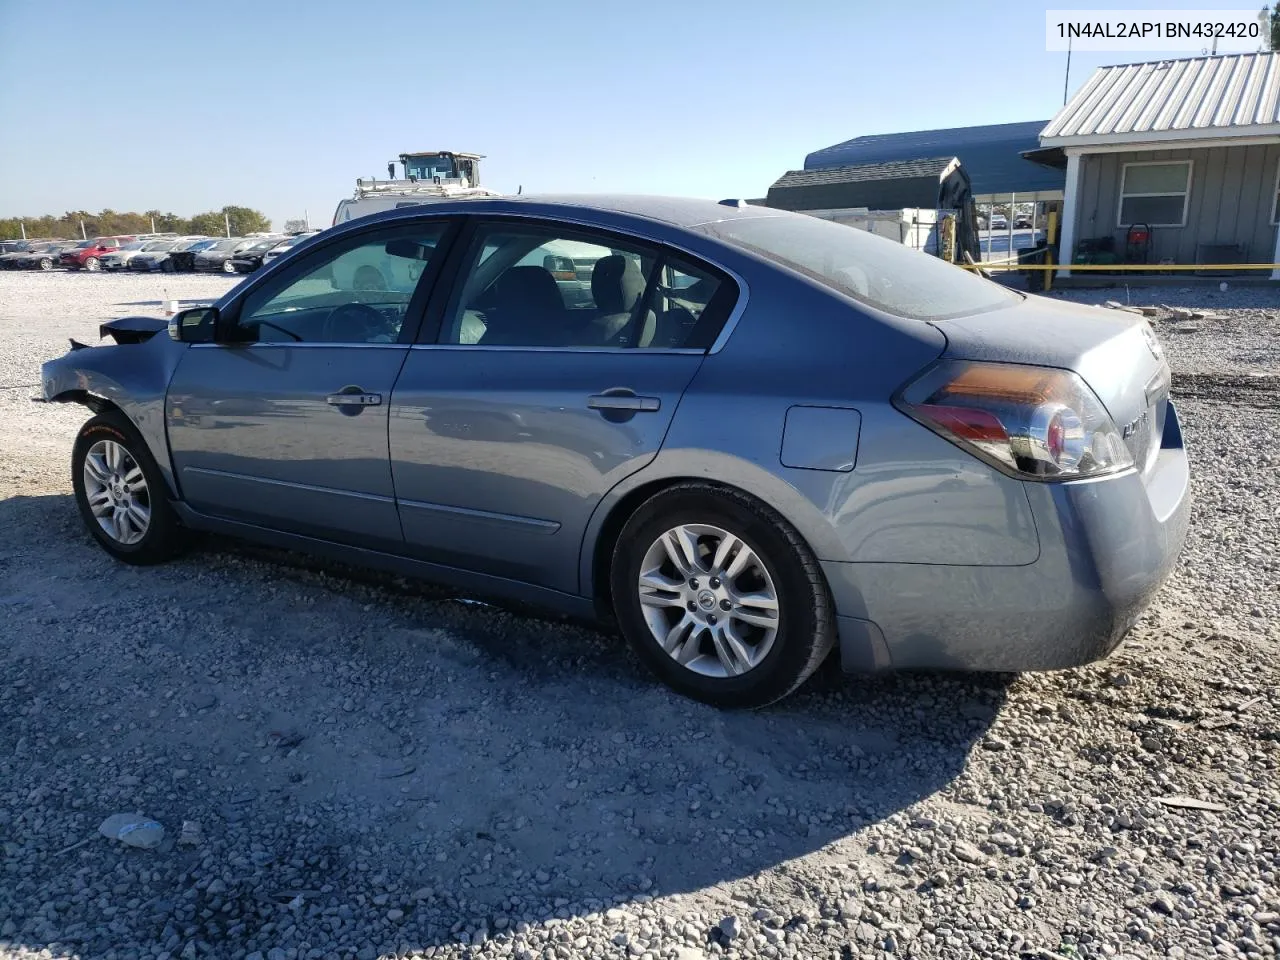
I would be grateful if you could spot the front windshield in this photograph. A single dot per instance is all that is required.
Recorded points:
(155, 245)
(225, 245)
(426, 168)
(136, 245)
(869, 269)
(86, 244)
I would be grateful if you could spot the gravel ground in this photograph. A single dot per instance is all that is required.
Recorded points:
(348, 765)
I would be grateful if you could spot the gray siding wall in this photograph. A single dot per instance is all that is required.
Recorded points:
(1232, 192)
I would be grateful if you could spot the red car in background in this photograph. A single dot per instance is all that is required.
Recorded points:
(87, 254)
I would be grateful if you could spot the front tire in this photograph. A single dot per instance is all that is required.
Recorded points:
(720, 596)
(122, 497)
(46, 263)
(228, 266)
(92, 264)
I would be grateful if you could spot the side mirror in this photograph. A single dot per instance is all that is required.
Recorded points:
(197, 325)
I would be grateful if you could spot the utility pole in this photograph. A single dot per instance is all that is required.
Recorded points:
(153, 224)
(1066, 82)
(306, 217)
(83, 235)
(226, 219)
(22, 225)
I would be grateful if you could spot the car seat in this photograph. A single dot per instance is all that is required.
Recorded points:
(525, 309)
(616, 287)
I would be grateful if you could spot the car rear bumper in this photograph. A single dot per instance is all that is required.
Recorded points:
(1106, 546)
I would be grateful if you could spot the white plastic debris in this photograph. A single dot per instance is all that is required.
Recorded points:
(133, 829)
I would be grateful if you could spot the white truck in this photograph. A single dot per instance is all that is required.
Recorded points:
(428, 175)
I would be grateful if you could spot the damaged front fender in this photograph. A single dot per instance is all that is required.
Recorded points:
(132, 376)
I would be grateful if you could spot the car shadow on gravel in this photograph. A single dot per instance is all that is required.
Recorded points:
(371, 761)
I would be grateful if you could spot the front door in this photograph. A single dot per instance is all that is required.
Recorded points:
(283, 421)
(557, 364)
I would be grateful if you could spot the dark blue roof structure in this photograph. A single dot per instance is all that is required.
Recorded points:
(992, 155)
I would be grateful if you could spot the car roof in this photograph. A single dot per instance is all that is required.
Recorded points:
(676, 211)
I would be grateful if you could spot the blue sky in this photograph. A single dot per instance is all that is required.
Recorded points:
(280, 105)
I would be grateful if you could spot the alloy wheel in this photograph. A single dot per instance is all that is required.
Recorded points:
(709, 600)
(116, 490)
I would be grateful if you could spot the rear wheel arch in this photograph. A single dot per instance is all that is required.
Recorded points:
(621, 504)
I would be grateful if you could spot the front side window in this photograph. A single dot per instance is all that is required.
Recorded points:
(869, 269)
(354, 291)
(533, 287)
(1155, 194)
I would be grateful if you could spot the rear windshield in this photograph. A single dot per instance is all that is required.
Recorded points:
(870, 269)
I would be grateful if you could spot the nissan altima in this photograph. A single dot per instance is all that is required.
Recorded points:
(760, 439)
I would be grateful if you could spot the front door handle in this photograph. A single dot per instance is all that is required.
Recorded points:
(353, 397)
(623, 401)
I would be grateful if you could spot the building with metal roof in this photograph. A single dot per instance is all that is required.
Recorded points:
(993, 157)
(1172, 102)
(1184, 151)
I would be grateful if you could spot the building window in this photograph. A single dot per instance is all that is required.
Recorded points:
(1275, 199)
(1155, 194)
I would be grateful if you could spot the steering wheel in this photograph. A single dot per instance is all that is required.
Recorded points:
(353, 323)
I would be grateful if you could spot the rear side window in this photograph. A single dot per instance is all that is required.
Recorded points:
(533, 286)
(867, 268)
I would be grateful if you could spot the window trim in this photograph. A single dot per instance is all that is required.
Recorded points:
(452, 277)
(414, 311)
(1275, 198)
(1185, 194)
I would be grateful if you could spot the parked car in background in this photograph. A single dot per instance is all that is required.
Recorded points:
(43, 256)
(88, 254)
(121, 259)
(1022, 223)
(217, 258)
(769, 437)
(250, 259)
(182, 259)
(12, 250)
(284, 246)
(998, 222)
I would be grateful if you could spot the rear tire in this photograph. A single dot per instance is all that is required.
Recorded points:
(742, 624)
(122, 496)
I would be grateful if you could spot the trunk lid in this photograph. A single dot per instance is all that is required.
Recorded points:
(1114, 351)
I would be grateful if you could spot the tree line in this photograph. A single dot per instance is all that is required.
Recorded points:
(108, 223)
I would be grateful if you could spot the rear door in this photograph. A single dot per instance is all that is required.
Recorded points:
(283, 422)
(535, 394)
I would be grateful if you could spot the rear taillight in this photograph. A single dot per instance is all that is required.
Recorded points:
(1036, 423)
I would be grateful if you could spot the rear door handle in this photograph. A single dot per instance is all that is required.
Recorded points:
(623, 401)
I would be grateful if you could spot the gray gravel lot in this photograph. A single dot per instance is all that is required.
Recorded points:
(349, 765)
